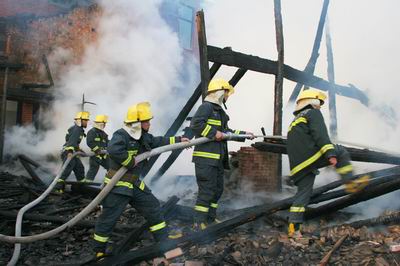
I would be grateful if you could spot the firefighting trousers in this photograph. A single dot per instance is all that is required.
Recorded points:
(210, 181)
(114, 205)
(94, 164)
(74, 165)
(305, 182)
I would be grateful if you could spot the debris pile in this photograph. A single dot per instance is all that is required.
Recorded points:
(367, 242)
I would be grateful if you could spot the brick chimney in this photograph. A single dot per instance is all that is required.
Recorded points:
(259, 168)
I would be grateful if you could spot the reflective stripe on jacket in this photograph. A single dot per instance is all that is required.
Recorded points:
(308, 140)
(73, 138)
(123, 149)
(209, 119)
(97, 140)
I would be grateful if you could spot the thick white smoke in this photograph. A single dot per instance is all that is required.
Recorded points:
(136, 58)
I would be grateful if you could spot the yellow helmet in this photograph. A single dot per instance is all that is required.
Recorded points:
(132, 115)
(311, 94)
(101, 119)
(144, 111)
(220, 84)
(84, 115)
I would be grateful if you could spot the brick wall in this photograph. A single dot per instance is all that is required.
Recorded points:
(259, 168)
(26, 113)
(30, 39)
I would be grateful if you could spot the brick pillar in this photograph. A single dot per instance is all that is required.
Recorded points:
(26, 113)
(259, 168)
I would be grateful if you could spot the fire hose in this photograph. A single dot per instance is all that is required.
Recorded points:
(106, 189)
(18, 224)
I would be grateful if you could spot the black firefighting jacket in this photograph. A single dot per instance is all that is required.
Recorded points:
(97, 140)
(123, 149)
(208, 119)
(73, 138)
(307, 141)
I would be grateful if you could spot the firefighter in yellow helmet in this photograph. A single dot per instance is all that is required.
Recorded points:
(126, 143)
(211, 158)
(97, 141)
(310, 148)
(73, 138)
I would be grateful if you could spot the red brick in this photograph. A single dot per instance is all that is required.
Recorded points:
(260, 168)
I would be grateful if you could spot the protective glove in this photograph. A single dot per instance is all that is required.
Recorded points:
(357, 185)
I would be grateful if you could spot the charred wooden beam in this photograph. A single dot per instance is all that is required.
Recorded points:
(319, 194)
(361, 155)
(11, 66)
(310, 67)
(35, 177)
(331, 78)
(202, 39)
(4, 103)
(29, 95)
(216, 231)
(380, 220)
(28, 160)
(182, 116)
(250, 62)
(341, 193)
(370, 192)
(277, 128)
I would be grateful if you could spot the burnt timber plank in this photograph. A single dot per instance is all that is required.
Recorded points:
(216, 231)
(310, 67)
(250, 62)
(361, 155)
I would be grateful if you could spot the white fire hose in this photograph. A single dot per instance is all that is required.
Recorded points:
(18, 224)
(18, 239)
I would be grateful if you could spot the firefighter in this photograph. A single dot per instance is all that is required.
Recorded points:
(97, 141)
(310, 148)
(73, 138)
(131, 140)
(211, 158)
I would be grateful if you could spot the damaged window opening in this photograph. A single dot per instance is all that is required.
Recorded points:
(185, 26)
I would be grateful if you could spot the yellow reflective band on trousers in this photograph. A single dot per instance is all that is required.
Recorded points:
(237, 132)
(214, 205)
(158, 226)
(206, 131)
(345, 169)
(297, 209)
(214, 122)
(296, 122)
(130, 156)
(60, 181)
(100, 238)
(172, 140)
(208, 155)
(96, 148)
(69, 148)
(312, 159)
(97, 139)
(200, 208)
(119, 183)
